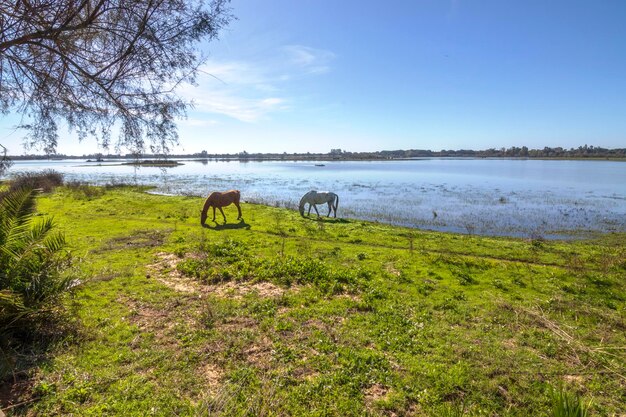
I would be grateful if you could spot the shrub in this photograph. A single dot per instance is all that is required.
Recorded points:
(464, 277)
(45, 180)
(81, 189)
(32, 262)
(229, 250)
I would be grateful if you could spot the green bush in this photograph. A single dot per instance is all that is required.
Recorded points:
(81, 189)
(45, 180)
(229, 250)
(32, 262)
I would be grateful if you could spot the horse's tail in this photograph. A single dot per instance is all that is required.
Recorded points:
(336, 203)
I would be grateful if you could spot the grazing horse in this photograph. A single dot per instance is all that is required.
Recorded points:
(220, 199)
(319, 197)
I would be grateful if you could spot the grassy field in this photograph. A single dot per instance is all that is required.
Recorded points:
(279, 315)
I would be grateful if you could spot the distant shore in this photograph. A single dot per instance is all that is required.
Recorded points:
(581, 153)
(171, 160)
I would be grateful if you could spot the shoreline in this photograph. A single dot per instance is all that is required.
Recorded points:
(313, 158)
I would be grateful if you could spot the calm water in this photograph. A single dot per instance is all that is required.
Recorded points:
(482, 196)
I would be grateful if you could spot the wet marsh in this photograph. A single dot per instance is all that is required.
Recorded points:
(521, 198)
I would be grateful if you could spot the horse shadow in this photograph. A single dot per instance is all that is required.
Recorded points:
(228, 226)
(330, 220)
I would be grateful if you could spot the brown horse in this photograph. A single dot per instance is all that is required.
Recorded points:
(220, 199)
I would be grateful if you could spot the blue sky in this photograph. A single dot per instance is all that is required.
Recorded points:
(308, 76)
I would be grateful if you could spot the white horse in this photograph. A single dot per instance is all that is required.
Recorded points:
(312, 198)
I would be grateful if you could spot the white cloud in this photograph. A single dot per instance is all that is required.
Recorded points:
(192, 122)
(312, 60)
(233, 73)
(272, 101)
(252, 90)
(227, 102)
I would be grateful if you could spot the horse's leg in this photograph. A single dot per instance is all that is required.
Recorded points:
(213, 213)
(318, 213)
(223, 215)
(309, 212)
(236, 201)
(330, 208)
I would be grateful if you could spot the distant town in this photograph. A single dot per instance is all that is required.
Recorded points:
(582, 152)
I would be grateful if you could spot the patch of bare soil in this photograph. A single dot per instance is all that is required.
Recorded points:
(164, 270)
(510, 344)
(238, 323)
(577, 380)
(233, 289)
(212, 376)
(162, 324)
(151, 320)
(391, 268)
(138, 239)
(305, 374)
(375, 393)
(16, 391)
(352, 297)
(259, 353)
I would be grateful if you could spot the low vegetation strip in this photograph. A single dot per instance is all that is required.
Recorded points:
(280, 315)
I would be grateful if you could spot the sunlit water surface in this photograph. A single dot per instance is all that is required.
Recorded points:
(482, 196)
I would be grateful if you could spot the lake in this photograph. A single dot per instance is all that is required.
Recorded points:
(548, 198)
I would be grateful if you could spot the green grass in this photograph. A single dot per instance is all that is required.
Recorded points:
(280, 315)
(565, 404)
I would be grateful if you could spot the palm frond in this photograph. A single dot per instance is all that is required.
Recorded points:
(18, 205)
(25, 249)
(31, 261)
(54, 242)
(32, 270)
(12, 308)
(16, 210)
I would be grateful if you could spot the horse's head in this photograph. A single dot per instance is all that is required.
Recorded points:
(305, 199)
(301, 208)
(203, 216)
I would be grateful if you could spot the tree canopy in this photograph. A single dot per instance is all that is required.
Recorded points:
(102, 66)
